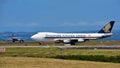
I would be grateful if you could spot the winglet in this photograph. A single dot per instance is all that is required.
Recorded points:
(107, 28)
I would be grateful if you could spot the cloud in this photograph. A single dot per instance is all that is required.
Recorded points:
(30, 25)
(21, 25)
(66, 24)
(82, 23)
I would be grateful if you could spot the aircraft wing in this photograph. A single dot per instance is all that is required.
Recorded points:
(69, 41)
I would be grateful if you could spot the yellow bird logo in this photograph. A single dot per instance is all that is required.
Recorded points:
(107, 28)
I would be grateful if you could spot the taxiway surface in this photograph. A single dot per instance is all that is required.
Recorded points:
(69, 47)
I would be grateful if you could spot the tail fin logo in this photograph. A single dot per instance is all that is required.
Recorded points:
(107, 28)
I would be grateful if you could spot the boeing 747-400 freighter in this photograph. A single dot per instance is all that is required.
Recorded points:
(72, 38)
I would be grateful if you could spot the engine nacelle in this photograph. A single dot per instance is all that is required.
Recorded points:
(81, 40)
(66, 41)
(58, 41)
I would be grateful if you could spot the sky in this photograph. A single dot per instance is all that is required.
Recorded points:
(58, 15)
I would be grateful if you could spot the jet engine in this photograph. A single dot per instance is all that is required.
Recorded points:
(81, 40)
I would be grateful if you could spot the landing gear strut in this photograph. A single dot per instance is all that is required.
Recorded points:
(72, 43)
(40, 43)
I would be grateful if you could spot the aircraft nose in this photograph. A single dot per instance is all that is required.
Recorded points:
(34, 37)
(37, 37)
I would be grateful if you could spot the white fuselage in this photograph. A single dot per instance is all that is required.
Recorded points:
(52, 37)
(72, 38)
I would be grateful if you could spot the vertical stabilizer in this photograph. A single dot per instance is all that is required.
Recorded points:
(107, 28)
